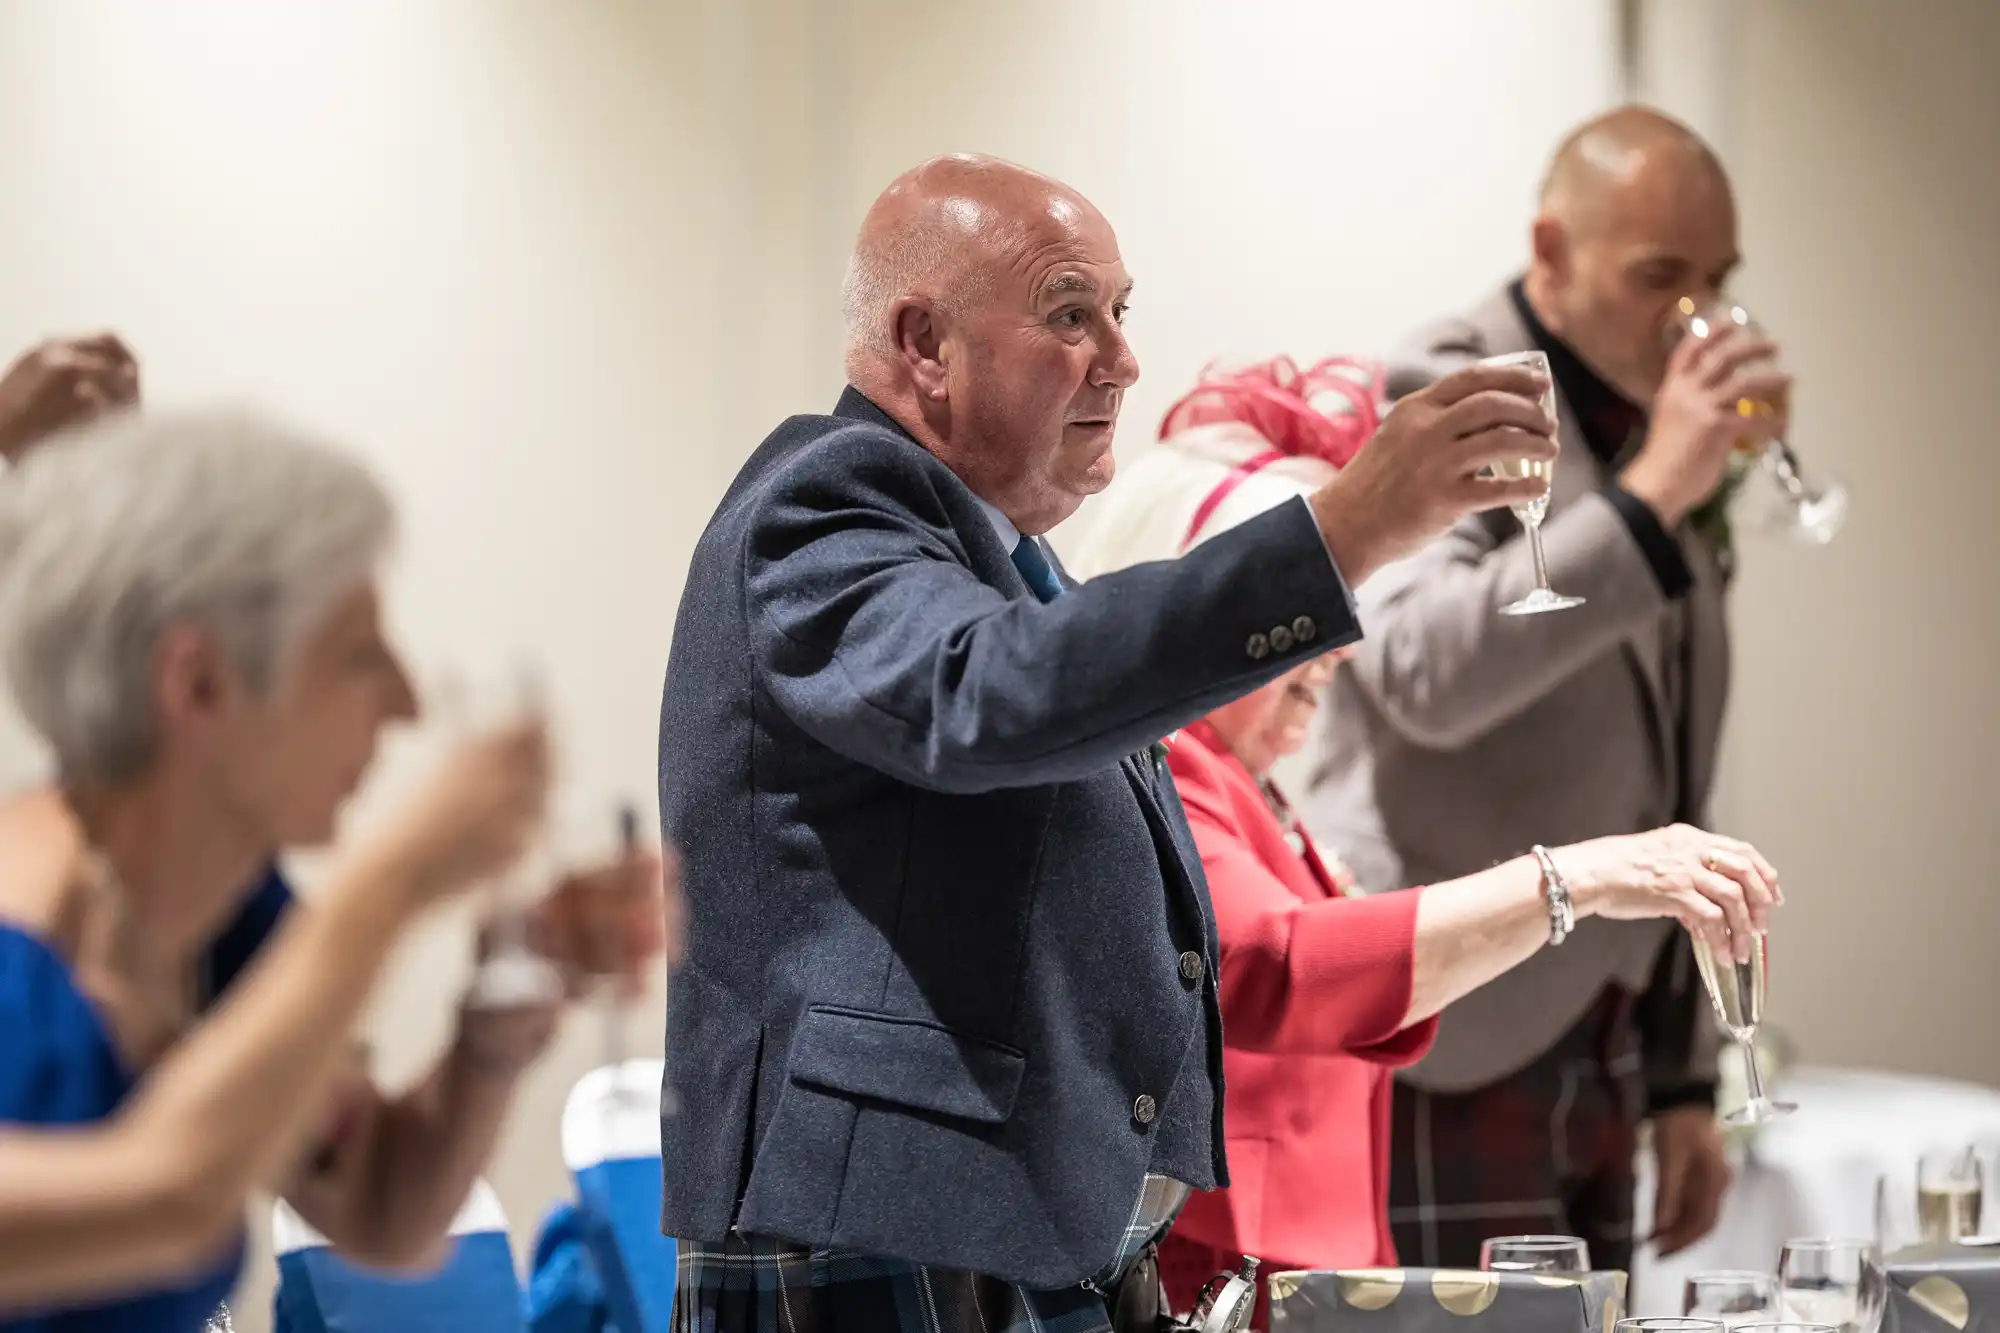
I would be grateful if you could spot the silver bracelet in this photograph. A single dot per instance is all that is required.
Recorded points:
(1562, 908)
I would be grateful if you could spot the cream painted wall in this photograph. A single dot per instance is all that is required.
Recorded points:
(1864, 743)
(471, 238)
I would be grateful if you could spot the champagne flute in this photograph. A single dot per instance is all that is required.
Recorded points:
(1541, 597)
(1535, 1254)
(1816, 505)
(474, 695)
(1950, 1187)
(1840, 1283)
(1737, 992)
(1732, 1297)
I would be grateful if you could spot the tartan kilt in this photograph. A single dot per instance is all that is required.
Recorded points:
(1547, 1150)
(754, 1284)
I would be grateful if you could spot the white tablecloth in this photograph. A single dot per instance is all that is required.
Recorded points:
(1814, 1173)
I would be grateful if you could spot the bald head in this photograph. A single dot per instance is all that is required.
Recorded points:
(941, 232)
(1635, 214)
(1630, 152)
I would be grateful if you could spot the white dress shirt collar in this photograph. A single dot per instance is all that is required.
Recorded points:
(1003, 527)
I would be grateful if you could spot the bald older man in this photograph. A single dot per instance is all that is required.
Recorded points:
(947, 1043)
(1462, 736)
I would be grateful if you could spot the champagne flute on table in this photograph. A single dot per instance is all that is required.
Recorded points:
(1541, 597)
(1815, 506)
(1950, 1186)
(1736, 989)
(1840, 1283)
(1535, 1254)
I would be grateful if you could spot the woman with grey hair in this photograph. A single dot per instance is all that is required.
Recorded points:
(189, 617)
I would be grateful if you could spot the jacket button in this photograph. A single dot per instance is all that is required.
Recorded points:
(1259, 647)
(1192, 966)
(1304, 630)
(1281, 638)
(1145, 1110)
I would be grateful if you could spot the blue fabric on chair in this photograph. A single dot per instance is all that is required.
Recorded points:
(611, 1142)
(474, 1291)
(565, 1293)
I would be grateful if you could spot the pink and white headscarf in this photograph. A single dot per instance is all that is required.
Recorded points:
(1241, 441)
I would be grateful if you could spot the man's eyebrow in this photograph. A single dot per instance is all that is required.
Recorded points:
(1065, 284)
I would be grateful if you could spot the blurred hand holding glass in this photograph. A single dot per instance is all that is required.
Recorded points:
(1814, 507)
(1534, 1254)
(1541, 597)
(1840, 1283)
(473, 695)
(1733, 1298)
(583, 906)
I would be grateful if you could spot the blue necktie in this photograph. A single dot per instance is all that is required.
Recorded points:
(1035, 569)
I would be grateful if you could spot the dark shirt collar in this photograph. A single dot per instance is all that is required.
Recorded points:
(1606, 418)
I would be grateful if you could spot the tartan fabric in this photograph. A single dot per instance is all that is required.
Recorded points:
(1547, 1150)
(753, 1284)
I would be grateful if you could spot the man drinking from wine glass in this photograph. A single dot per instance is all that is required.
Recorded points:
(1458, 737)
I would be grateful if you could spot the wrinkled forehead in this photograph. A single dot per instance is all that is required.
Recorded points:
(1682, 208)
(1060, 250)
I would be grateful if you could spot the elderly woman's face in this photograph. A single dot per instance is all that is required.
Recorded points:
(295, 757)
(1273, 721)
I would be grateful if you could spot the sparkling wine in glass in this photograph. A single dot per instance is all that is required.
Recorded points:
(1815, 506)
(1541, 597)
(1839, 1283)
(1733, 1297)
(1737, 992)
(1534, 1254)
(1950, 1189)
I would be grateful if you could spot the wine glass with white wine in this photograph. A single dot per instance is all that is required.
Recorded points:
(1814, 506)
(1949, 1190)
(1541, 597)
(1736, 989)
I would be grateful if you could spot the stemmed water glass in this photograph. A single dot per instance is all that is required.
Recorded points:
(1815, 506)
(1736, 989)
(1541, 597)
(1840, 1283)
(1534, 1254)
(1733, 1297)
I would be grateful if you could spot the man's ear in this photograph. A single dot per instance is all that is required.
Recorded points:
(920, 344)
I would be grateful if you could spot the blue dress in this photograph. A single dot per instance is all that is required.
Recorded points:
(58, 1067)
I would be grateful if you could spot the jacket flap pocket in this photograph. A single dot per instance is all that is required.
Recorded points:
(908, 1062)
